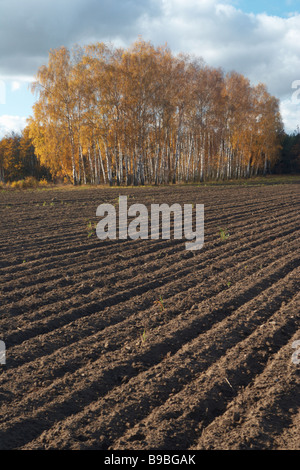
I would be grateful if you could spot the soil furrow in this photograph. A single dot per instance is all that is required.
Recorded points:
(67, 250)
(142, 344)
(184, 369)
(145, 294)
(124, 261)
(267, 409)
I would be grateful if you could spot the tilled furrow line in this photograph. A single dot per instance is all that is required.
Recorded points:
(77, 399)
(236, 211)
(82, 262)
(289, 436)
(68, 250)
(264, 411)
(186, 415)
(153, 270)
(67, 359)
(157, 395)
(74, 254)
(61, 324)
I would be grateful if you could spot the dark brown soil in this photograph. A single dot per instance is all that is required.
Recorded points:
(93, 361)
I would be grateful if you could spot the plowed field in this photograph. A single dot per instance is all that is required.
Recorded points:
(142, 344)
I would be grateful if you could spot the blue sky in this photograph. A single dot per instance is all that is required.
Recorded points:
(258, 38)
(271, 7)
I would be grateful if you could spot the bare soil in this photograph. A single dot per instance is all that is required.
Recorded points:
(93, 361)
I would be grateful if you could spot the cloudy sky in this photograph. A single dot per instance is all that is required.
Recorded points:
(258, 38)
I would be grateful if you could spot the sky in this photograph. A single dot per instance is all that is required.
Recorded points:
(258, 38)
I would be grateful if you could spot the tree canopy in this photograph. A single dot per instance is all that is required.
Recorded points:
(143, 115)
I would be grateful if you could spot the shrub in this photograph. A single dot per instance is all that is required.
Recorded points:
(43, 182)
(28, 183)
(17, 184)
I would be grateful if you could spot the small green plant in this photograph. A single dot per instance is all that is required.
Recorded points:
(44, 203)
(91, 228)
(144, 336)
(160, 302)
(224, 234)
(228, 284)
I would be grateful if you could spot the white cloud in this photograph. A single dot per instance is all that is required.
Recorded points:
(264, 48)
(28, 30)
(10, 124)
(290, 112)
(17, 77)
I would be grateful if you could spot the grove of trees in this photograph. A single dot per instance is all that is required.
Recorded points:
(289, 159)
(18, 159)
(145, 116)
